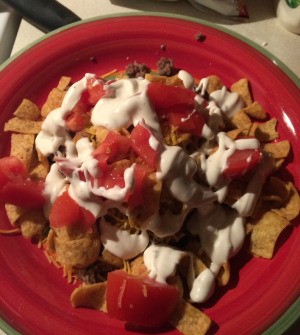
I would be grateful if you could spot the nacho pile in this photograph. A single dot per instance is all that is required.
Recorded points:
(80, 252)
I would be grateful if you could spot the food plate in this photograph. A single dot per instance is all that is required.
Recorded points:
(34, 296)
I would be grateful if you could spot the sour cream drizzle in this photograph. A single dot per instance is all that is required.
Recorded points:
(129, 106)
(221, 231)
(221, 234)
(120, 242)
(54, 133)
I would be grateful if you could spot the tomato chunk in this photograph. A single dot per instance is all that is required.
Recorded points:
(140, 143)
(192, 123)
(166, 99)
(111, 154)
(177, 104)
(67, 212)
(11, 170)
(136, 198)
(76, 122)
(79, 116)
(113, 176)
(114, 147)
(27, 194)
(241, 162)
(96, 90)
(140, 300)
(16, 187)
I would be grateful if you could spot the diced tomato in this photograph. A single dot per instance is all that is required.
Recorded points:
(192, 123)
(82, 106)
(175, 99)
(140, 300)
(136, 198)
(177, 104)
(241, 162)
(76, 122)
(66, 212)
(114, 176)
(79, 116)
(16, 187)
(27, 193)
(140, 137)
(114, 147)
(96, 90)
(11, 170)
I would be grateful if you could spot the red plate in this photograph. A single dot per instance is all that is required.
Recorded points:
(34, 297)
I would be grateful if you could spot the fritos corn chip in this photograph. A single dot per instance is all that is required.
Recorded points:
(23, 126)
(242, 88)
(189, 320)
(27, 111)
(265, 234)
(22, 147)
(90, 296)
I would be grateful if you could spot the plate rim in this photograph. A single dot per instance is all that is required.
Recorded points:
(291, 315)
(275, 60)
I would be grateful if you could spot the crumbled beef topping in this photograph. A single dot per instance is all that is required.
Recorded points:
(135, 70)
(93, 60)
(165, 67)
(95, 273)
(200, 37)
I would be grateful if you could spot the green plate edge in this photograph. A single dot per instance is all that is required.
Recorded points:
(289, 318)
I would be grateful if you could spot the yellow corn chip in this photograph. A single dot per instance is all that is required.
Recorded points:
(242, 121)
(189, 320)
(266, 132)
(90, 296)
(64, 83)
(198, 265)
(172, 136)
(43, 159)
(169, 81)
(14, 213)
(253, 129)
(54, 101)
(265, 234)
(242, 88)
(224, 274)
(23, 126)
(278, 149)
(233, 134)
(249, 227)
(276, 191)
(22, 147)
(214, 84)
(100, 133)
(255, 111)
(32, 223)
(27, 110)
(39, 170)
(291, 209)
(111, 259)
(137, 266)
(75, 247)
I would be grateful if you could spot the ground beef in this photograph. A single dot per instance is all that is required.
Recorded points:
(135, 70)
(165, 67)
(200, 37)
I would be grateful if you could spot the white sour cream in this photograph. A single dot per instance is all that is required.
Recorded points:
(120, 242)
